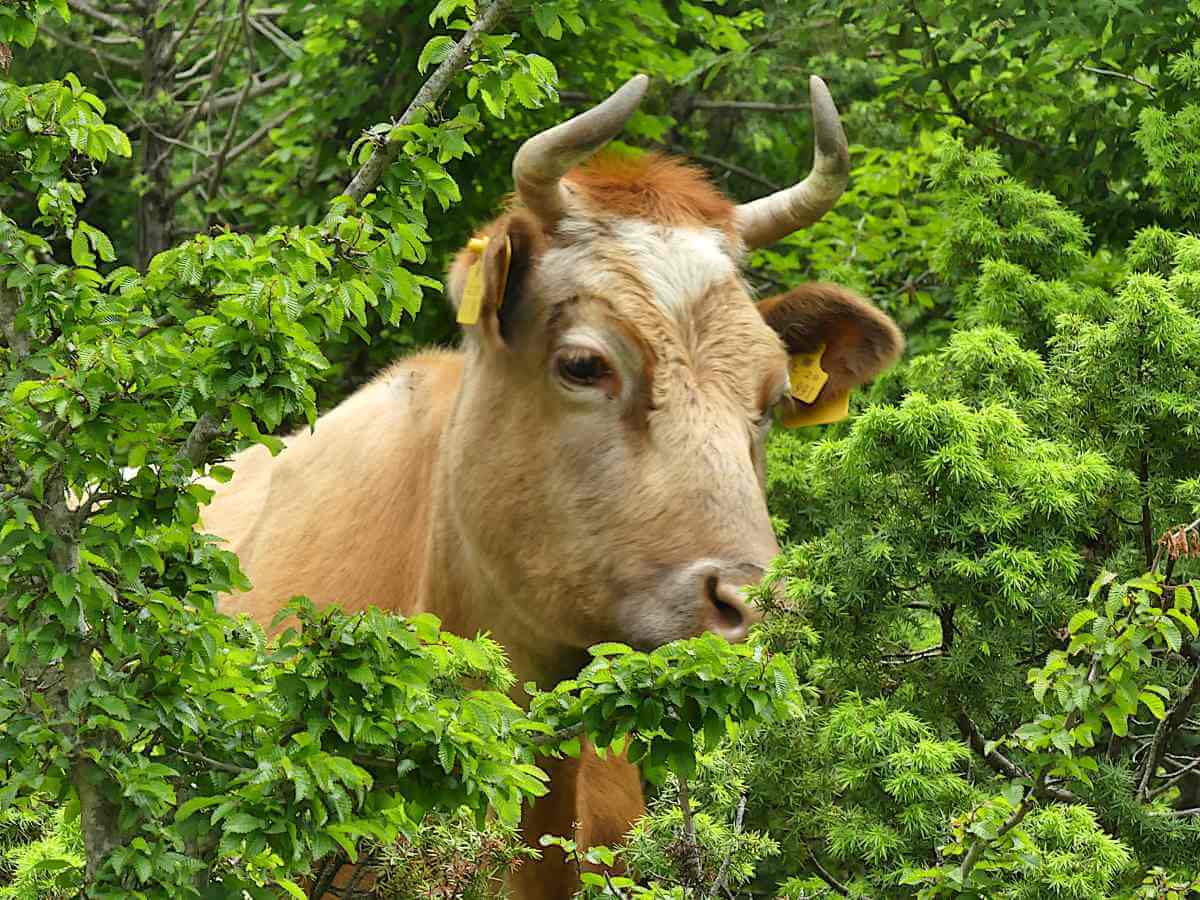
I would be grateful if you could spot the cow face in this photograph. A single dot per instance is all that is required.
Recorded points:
(607, 448)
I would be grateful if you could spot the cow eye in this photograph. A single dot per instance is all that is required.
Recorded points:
(583, 368)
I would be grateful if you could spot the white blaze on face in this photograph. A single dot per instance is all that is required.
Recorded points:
(675, 265)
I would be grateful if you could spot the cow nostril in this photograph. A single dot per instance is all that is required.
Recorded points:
(730, 617)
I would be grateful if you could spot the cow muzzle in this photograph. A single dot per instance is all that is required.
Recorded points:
(721, 589)
(704, 595)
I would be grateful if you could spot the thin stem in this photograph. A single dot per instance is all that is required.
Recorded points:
(723, 872)
(691, 846)
(1165, 731)
(1111, 73)
(837, 886)
(977, 847)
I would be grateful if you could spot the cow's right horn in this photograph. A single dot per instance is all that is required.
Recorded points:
(766, 220)
(542, 161)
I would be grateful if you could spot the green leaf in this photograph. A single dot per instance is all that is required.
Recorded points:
(1117, 720)
(64, 585)
(81, 252)
(435, 52)
(195, 805)
(610, 649)
(1153, 703)
(242, 823)
(1080, 619)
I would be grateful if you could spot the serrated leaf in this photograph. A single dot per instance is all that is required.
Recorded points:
(435, 52)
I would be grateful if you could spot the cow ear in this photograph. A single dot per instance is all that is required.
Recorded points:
(488, 277)
(836, 341)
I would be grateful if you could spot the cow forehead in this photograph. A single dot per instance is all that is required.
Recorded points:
(672, 266)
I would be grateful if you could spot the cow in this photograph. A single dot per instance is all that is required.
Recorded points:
(589, 466)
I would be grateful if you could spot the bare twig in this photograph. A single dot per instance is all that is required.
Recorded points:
(385, 154)
(723, 872)
(691, 846)
(728, 166)
(114, 58)
(750, 105)
(186, 29)
(213, 175)
(1173, 779)
(1165, 731)
(837, 886)
(82, 6)
(899, 659)
(211, 763)
(224, 50)
(1114, 74)
(998, 761)
(231, 130)
(259, 89)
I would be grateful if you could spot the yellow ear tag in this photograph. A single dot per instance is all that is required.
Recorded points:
(472, 298)
(807, 378)
(806, 375)
(832, 409)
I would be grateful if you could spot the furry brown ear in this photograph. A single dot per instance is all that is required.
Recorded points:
(860, 341)
(501, 270)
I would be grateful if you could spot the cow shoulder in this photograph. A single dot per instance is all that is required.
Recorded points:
(345, 495)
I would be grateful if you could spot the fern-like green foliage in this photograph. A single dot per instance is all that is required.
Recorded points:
(41, 853)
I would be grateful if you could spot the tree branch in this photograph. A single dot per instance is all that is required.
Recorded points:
(998, 761)
(1165, 731)
(1015, 819)
(542, 740)
(749, 105)
(17, 340)
(691, 846)
(186, 29)
(82, 6)
(728, 166)
(203, 433)
(837, 886)
(213, 175)
(211, 763)
(385, 154)
(723, 872)
(1114, 74)
(260, 89)
(114, 58)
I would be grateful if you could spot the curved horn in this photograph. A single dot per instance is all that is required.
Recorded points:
(766, 220)
(545, 158)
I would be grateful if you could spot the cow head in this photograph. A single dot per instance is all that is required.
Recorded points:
(607, 447)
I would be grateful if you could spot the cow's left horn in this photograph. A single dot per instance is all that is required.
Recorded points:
(543, 159)
(766, 220)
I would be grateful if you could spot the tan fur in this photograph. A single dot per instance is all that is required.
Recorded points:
(484, 487)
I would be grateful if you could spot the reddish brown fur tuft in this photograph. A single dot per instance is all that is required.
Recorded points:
(657, 188)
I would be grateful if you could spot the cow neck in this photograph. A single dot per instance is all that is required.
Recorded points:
(459, 589)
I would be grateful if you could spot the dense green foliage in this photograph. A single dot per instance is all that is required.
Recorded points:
(981, 677)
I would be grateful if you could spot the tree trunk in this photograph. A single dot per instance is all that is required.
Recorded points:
(155, 207)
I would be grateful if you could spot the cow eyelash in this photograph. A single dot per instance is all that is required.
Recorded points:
(583, 368)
